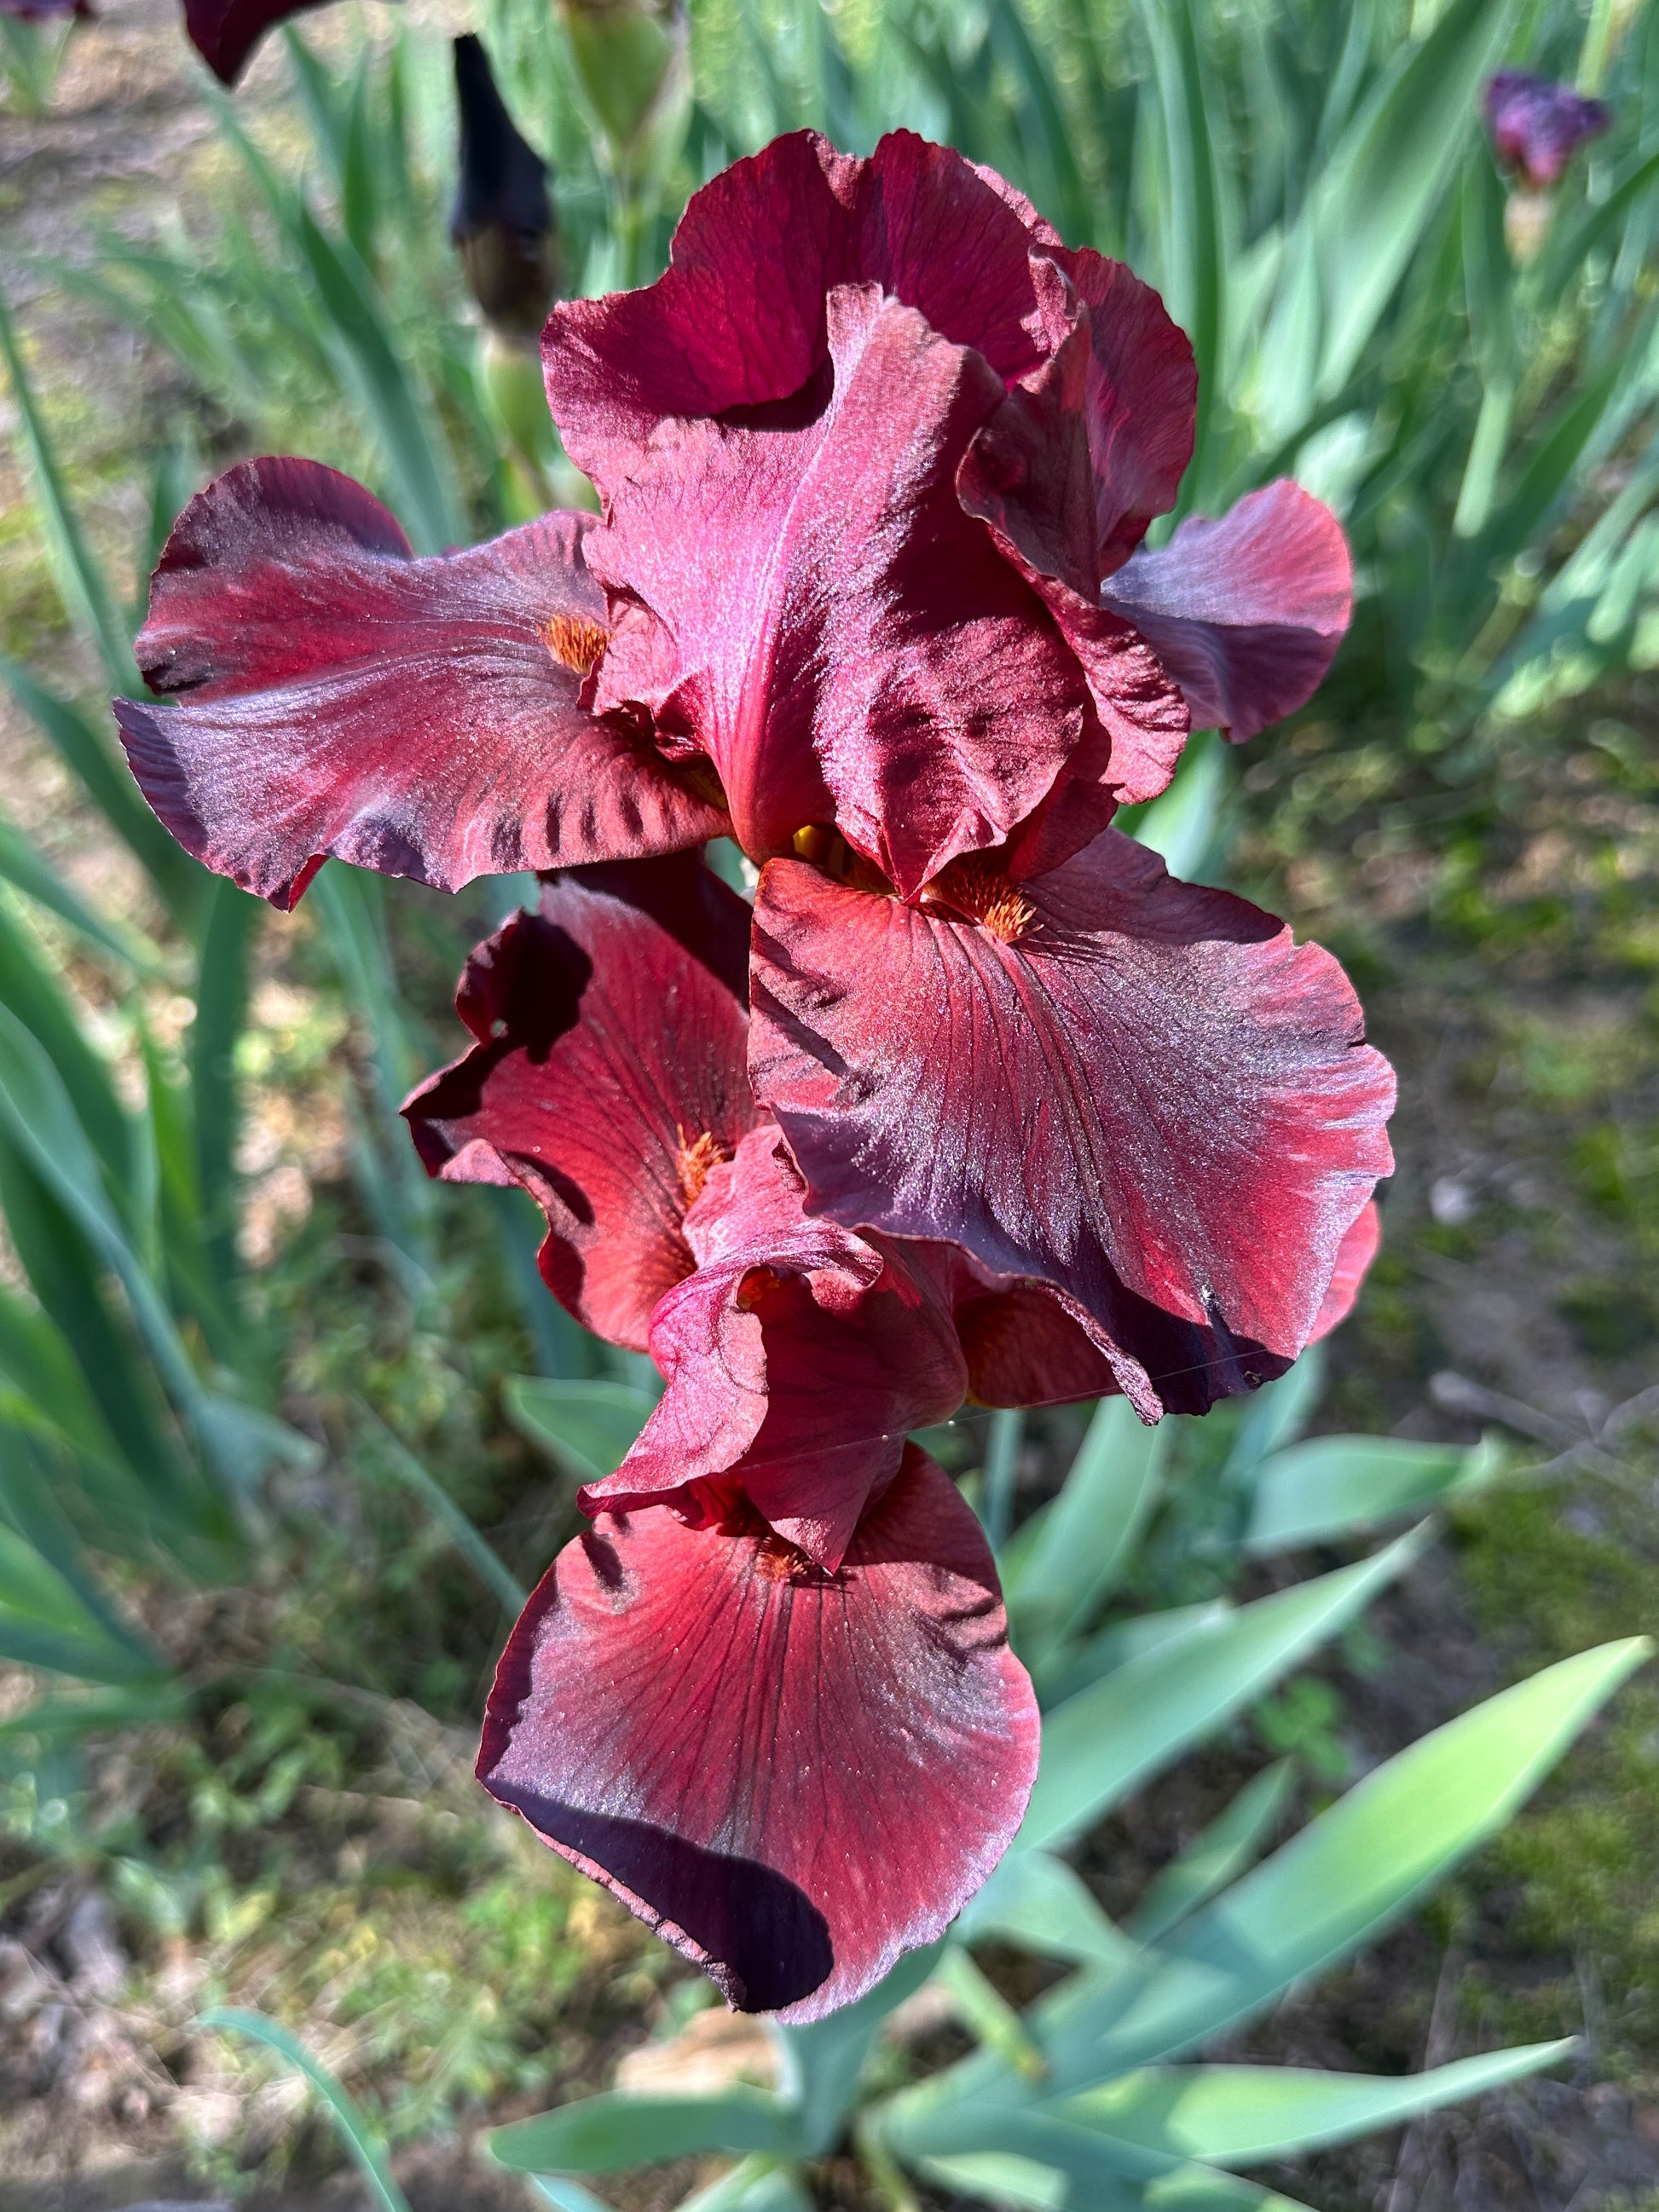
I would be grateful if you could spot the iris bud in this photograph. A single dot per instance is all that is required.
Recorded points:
(502, 221)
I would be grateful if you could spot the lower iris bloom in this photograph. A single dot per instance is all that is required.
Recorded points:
(768, 1700)
(876, 453)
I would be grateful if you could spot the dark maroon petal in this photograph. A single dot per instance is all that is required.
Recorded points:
(416, 716)
(739, 318)
(1537, 127)
(1358, 1248)
(797, 1358)
(1024, 1348)
(1141, 404)
(225, 32)
(820, 617)
(1131, 744)
(1245, 612)
(792, 1777)
(1109, 1081)
(1028, 1344)
(1091, 444)
(608, 1077)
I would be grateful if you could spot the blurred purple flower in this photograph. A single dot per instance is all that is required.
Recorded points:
(44, 11)
(1537, 127)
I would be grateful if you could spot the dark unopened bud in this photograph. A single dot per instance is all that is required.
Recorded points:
(225, 32)
(633, 58)
(502, 223)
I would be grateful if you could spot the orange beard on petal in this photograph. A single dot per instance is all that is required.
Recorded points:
(575, 644)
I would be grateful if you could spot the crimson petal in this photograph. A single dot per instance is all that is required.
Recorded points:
(416, 716)
(792, 1776)
(739, 318)
(1246, 612)
(1028, 1344)
(608, 1075)
(797, 1358)
(866, 649)
(1109, 1082)
(1091, 444)
(1359, 1248)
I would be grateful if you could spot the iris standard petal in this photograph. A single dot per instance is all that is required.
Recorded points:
(1103, 1079)
(1246, 612)
(1092, 443)
(739, 318)
(808, 604)
(608, 1077)
(792, 1776)
(421, 717)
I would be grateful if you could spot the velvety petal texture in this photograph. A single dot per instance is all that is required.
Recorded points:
(797, 1359)
(1099, 1077)
(422, 717)
(608, 1077)
(868, 658)
(740, 317)
(848, 365)
(792, 1776)
(1246, 612)
(1359, 1248)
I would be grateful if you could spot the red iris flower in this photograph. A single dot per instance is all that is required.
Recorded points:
(1537, 127)
(769, 1700)
(876, 453)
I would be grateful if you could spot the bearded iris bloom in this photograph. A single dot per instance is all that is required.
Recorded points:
(769, 1700)
(876, 454)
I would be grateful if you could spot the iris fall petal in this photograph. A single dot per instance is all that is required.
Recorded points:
(416, 716)
(608, 1076)
(792, 1776)
(1110, 1081)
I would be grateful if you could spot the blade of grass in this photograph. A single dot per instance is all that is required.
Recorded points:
(479, 1555)
(359, 2138)
(86, 592)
